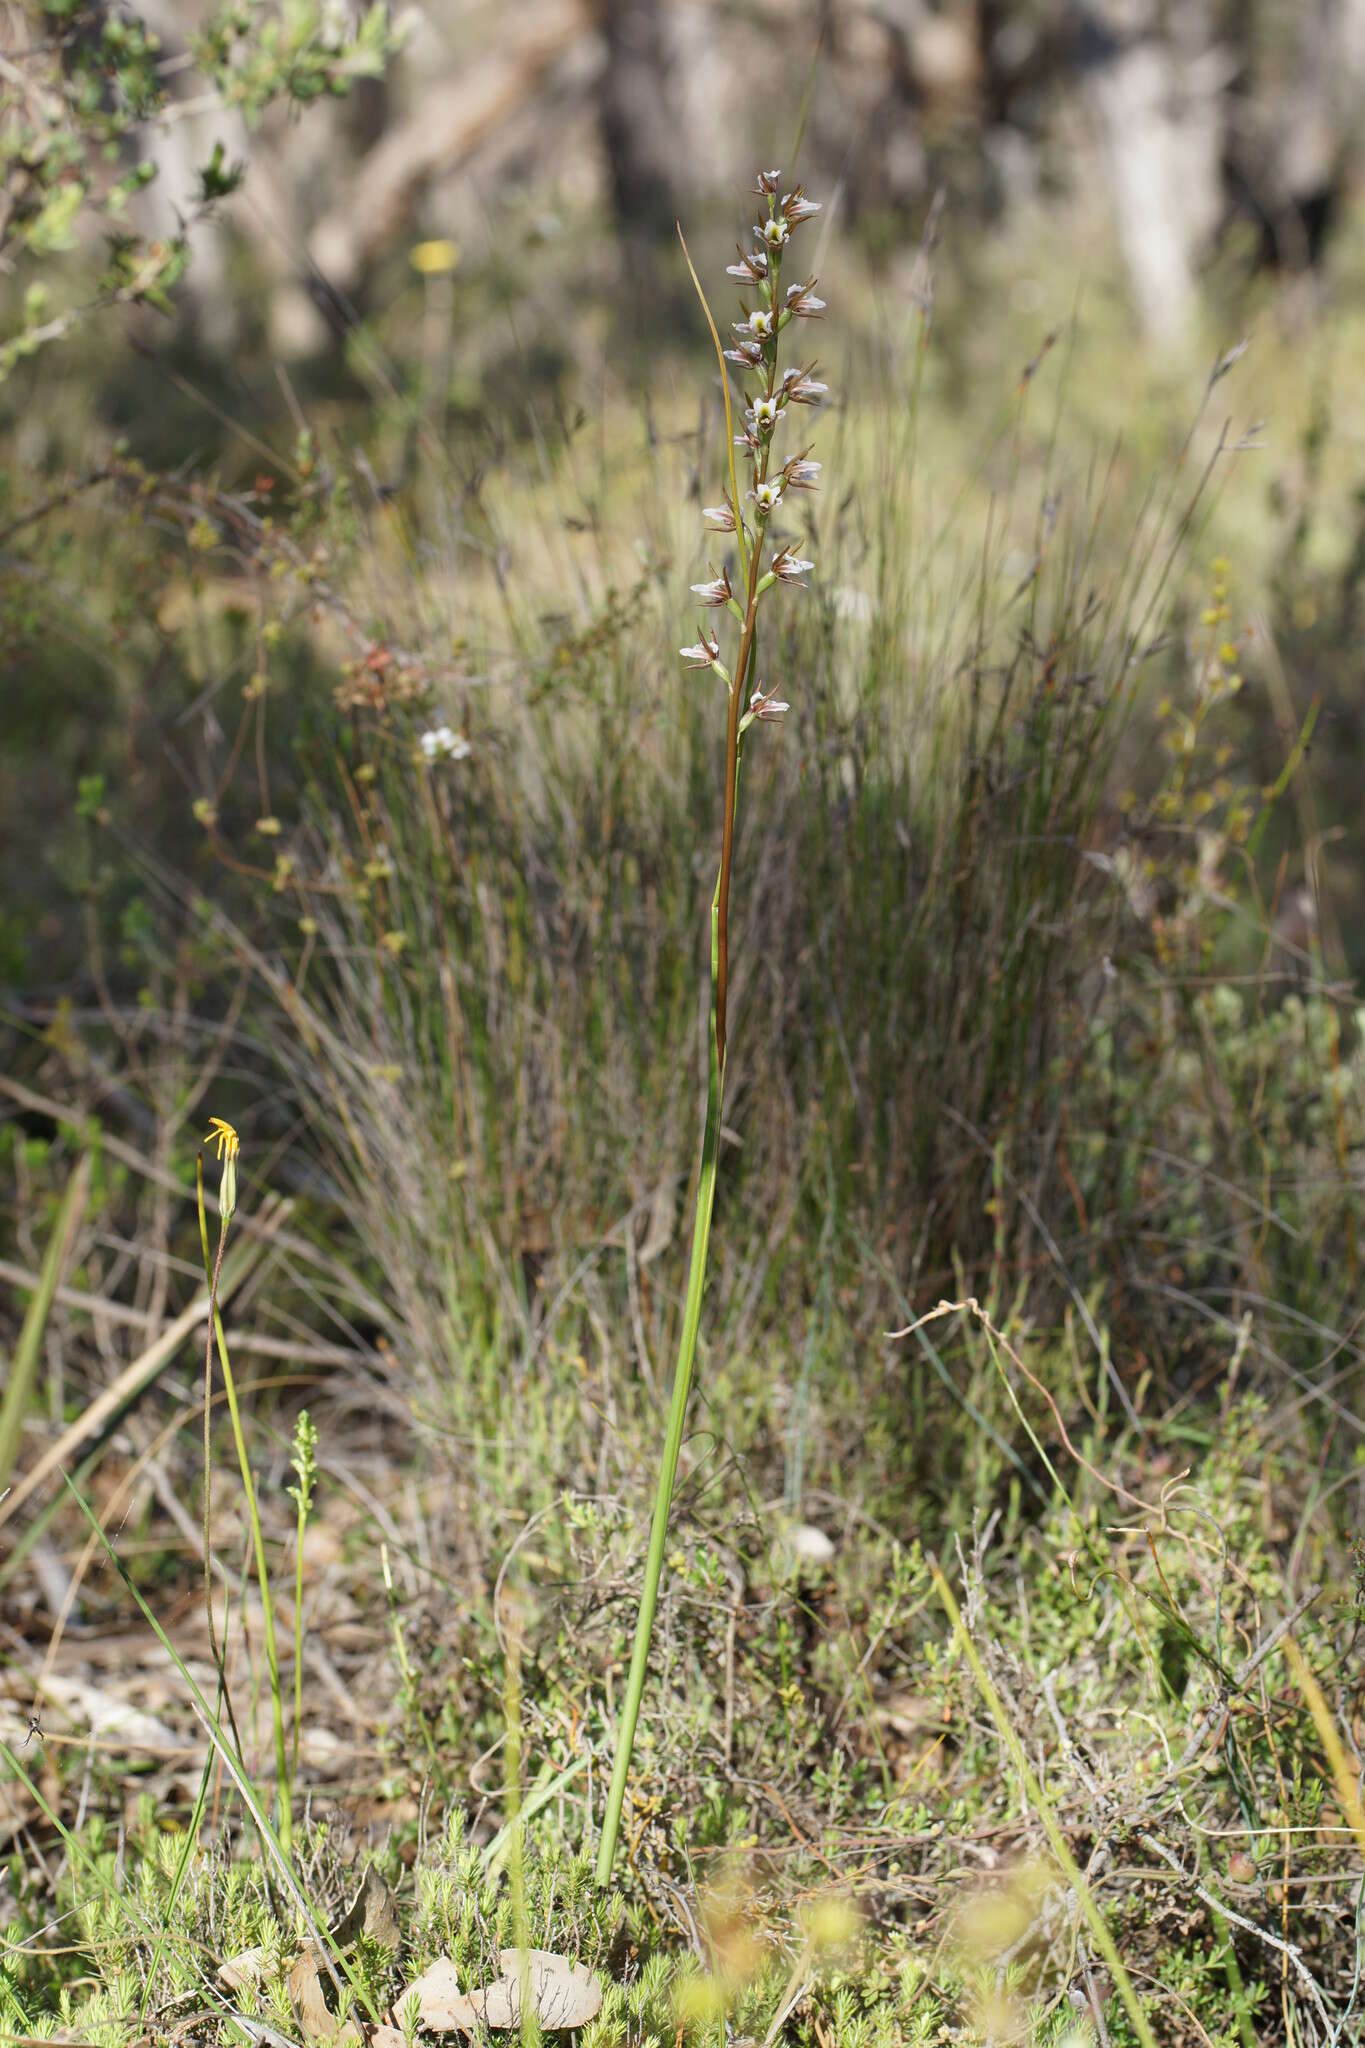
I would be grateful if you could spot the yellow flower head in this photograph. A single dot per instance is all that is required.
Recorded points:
(224, 1140)
(226, 1145)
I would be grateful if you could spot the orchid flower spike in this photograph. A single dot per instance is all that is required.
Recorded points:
(765, 561)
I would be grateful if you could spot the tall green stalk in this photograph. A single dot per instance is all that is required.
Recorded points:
(756, 353)
(668, 1469)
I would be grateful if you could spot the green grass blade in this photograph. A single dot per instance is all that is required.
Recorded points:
(550, 1787)
(74, 1846)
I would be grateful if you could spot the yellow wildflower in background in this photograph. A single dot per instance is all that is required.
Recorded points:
(435, 259)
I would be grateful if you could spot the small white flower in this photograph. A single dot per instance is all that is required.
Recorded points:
(774, 232)
(767, 497)
(720, 518)
(705, 652)
(796, 207)
(801, 300)
(751, 268)
(442, 743)
(760, 323)
(801, 475)
(715, 593)
(766, 412)
(790, 568)
(802, 388)
(766, 707)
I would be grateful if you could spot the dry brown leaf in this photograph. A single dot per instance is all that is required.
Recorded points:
(317, 2020)
(243, 1970)
(306, 1996)
(372, 1912)
(662, 1219)
(443, 2007)
(564, 1994)
(106, 1712)
(907, 1713)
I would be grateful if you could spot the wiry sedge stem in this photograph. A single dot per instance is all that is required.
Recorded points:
(1033, 1791)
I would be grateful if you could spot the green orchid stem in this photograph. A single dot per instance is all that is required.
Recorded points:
(736, 720)
(668, 1470)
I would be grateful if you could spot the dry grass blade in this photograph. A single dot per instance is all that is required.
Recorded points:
(1099, 1927)
(25, 1363)
(145, 1368)
(1345, 1781)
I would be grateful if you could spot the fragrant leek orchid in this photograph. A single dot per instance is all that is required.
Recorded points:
(765, 562)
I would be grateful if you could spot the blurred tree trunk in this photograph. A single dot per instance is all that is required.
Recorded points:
(1156, 85)
(639, 127)
(1295, 121)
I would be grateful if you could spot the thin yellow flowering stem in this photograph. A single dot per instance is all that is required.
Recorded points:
(1099, 1926)
(212, 1271)
(331, 1956)
(217, 1337)
(272, 1655)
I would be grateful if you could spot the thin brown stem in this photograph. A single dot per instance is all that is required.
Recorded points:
(727, 838)
(737, 689)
